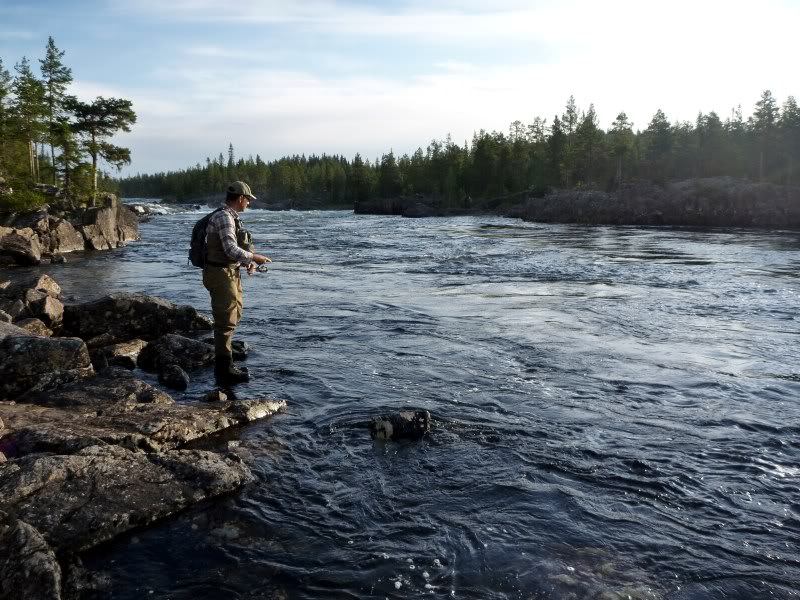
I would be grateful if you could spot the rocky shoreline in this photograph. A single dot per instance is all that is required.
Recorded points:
(29, 238)
(87, 450)
(709, 202)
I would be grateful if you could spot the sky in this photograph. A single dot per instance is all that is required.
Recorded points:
(340, 77)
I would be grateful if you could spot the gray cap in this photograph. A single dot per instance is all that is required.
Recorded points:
(240, 188)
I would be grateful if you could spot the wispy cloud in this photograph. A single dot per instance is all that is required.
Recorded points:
(11, 36)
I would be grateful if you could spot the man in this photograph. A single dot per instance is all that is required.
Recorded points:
(229, 247)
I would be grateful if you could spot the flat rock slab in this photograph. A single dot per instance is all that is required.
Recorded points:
(81, 500)
(29, 569)
(151, 427)
(129, 316)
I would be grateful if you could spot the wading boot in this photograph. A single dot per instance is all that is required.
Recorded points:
(227, 374)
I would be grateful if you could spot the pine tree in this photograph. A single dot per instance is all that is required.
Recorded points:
(5, 116)
(55, 77)
(98, 121)
(790, 135)
(621, 138)
(764, 125)
(30, 109)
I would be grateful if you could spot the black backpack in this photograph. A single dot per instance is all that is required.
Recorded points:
(198, 250)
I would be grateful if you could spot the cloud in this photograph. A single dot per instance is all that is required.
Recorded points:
(12, 36)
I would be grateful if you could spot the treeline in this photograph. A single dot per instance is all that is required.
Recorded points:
(572, 151)
(48, 136)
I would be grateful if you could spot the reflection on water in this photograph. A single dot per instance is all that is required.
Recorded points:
(616, 413)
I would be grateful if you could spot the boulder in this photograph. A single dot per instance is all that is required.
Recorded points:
(30, 362)
(213, 396)
(64, 237)
(81, 500)
(47, 309)
(5, 317)
(403, 425)
(109, 226)
(15, 308)
(173, 349)
(99, 393)
(20, 249)
(29, 569)
(127, 316)
(18, 287)
(174, 378)
(123, 354)
(34, 327)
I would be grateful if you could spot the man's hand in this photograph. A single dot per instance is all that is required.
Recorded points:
(260, 259)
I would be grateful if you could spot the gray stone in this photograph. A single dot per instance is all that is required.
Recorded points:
(64, 237)
(79, 501)
(5, 317)
(35, 327)
(30, 363)
(129, 316)
(49, 310)
(20, 249)
(45, 284)
(109, 226)
(215, 396)
(99, 393)
(29, 569)
(95, 418)
(174, 378)
(58, 259)
(17, 309)
(403, 425)
(129, 349)
(173, 349)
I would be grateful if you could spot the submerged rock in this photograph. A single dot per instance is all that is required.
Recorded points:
(403, 425)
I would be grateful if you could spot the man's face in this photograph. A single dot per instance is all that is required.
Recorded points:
(242, 203)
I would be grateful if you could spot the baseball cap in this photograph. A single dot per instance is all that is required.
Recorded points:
(241, 188)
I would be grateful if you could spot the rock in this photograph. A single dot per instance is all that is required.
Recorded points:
(2, 457)
(99, 360)
(5, 317)
(173, 349)
(79, 501)
(28, 566)
(109, 226)
(64, 237)
(123, 354)
(403, 425)
(47, 309)
(174, 378)
(34, 327)
(240, 348)
(99, 393)
(30, 362)
(58, 259)
(15, 308)
(19, 249)
(129, 316)
(215, 396)
(45, 284)
(67, 428)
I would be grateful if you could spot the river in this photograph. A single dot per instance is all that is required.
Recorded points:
(616, 412)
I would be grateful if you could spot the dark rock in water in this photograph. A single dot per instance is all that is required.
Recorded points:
(174, 378)
(29, 569)
(20, 248)
(58, 259)
(404, 425)
(240, 348)
(81, 500)
(129, 316)
(173, 349)
(30, 362)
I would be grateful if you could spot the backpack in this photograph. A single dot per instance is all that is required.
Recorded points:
(198, 250)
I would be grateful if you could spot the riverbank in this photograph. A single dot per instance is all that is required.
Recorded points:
(88, 448)
(710, 202)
